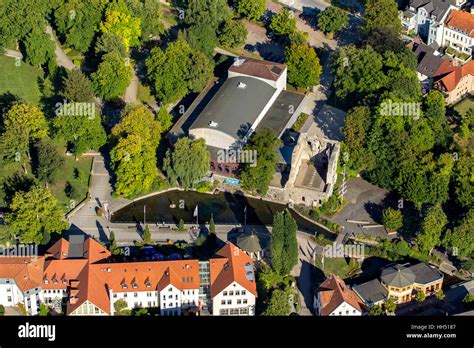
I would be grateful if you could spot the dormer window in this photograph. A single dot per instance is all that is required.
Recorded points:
(55, 281)
(124, 285)
(64, 281)
(134, 285)
(46, 281)
(148, 284)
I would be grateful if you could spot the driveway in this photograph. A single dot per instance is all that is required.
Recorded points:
(365, 204)
(303, 272)
(61, 58)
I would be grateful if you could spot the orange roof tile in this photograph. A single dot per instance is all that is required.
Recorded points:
(450, 75)
(333, 292)
(26, 271)
(229, 268)
(461, 20)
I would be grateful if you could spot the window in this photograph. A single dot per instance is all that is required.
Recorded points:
(115, 295)
(229, 302)
(125, 295)
(239, 301)
(244, 292)
(231, 293)
(135, 294)
(164, 297)
(170, 289)
(224, 293)
(176, 297)
(170, 296)
(164, 305)
(9, 298)
(237, 292)
(223, 302)
(245, 301)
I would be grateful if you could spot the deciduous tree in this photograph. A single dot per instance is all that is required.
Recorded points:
(34, 214)
(303, 64)
(188, 163)
(257, 176)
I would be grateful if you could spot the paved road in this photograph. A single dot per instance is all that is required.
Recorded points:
(366, 204)
(303, 272)
(61, 58)
(302, 5)
(132, 90)
(12, 53)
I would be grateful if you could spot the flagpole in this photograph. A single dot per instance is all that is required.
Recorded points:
(197, 214)
(144, 215)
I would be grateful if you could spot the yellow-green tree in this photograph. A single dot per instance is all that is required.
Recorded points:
(35, 214)
(134, 155)
(23, 123)
(122, 24)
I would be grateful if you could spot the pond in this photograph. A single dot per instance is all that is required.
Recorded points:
(227, 208)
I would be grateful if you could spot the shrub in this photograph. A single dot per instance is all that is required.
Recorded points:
(2, 310)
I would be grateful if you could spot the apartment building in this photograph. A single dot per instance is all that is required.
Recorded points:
(454, 81)
(459, 31)
(77, 276)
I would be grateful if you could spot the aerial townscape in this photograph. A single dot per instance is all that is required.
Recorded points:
(237, 158)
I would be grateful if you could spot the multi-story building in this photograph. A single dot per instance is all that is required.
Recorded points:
(20, 282)
(77, 277)
(233, 285)
(454, 81)
(335, 298)
(459, 32)
(426, 18)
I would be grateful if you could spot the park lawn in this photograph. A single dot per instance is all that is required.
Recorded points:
(80, 184)
(7, 170)
(463, 106)
(336, 265)
(21, 81)
(64, 175)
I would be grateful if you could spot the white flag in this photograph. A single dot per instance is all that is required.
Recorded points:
(195, 211)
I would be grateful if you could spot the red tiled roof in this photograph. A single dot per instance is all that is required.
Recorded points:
(461, 20)
(230, 267)
(450, 75)
(333, 292)
(27, 271)
(259, 68)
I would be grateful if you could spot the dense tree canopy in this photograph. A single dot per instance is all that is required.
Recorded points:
(283, 243)
(35, 214)
(252, 9)
(233, 33)
(149, 12)
(77, 22)
(120, 22)
(188, 163)
(303, 64)
(136, 139)
(177, 71)
(381, 14)
(283, 23)
(77, 87)
(49, 160)
(257, 176)
(432, 227)
(278, 304)
(20, 17)
(332, 20)
(211, 13)
(112, 77)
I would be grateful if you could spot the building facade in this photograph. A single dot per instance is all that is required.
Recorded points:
(77, 277)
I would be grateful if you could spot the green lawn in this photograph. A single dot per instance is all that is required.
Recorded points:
(21, 81)
(463, 106)
(64, 175)
(336, 265)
